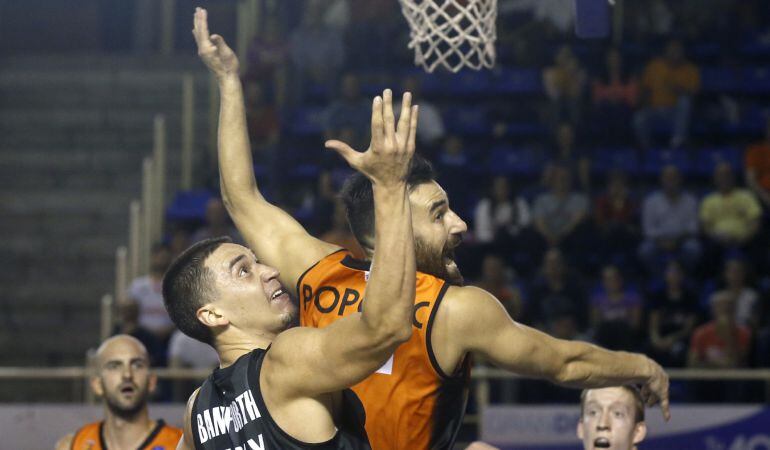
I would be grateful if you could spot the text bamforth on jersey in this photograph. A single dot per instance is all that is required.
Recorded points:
(217, 421)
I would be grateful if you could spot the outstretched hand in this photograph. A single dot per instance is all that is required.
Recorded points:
(390, 152)
(655, 390)
(213, 49)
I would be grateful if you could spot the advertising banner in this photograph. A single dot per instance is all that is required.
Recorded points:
(696, 427)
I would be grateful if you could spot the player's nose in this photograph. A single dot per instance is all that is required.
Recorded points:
(269, 273)
(604, 422)
(457, 225)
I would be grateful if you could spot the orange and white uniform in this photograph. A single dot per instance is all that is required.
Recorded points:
(409, 403)
(162, 437)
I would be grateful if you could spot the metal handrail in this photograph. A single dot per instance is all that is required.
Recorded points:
(479, 373)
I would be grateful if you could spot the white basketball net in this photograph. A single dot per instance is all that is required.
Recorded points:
(452, 33)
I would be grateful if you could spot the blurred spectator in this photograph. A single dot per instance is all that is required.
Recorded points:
(128, 323)
(430, 127)
(336, 14)
(500, 216)
(763, 348)
(673, 315)
(669, 83)
(746, 298)
(557, 299)
(350, 110)
(568, 155)
(340, 233)
(268, 55)
(721, 343)
(758, 167)
(616, 312)
(262, 120)
(452, 165)
(552, 13)
(376, 29)
(669, 223)
(185, 352)
(730, 216)
(614, 95)
(147, 292)
(650, 18)
(317, 51)
(178, 241)
(617, 215)
(497, 279)
(217, 223)
(560, 212)
(564, 83)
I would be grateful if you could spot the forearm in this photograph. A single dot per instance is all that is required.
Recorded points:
(390, 290)
(235, 163)
(589, 366)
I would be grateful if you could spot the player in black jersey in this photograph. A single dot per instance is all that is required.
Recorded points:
(281, 388)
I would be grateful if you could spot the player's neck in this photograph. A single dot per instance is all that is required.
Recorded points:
(232, 348)
(122, 433)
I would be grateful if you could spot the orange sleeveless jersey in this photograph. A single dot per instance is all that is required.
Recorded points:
(162, 437)
(410, 403)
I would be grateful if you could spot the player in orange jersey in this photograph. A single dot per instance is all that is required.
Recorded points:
(417, 399)
(125, 382)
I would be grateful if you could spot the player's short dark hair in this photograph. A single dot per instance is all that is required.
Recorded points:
(635, 394)
(357, 195)
(187, 285)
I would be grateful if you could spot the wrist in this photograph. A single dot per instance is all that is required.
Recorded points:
(396, 186)
(227, 79)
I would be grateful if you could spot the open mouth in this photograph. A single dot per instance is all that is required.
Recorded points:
(278, 294)
(601, 442)
(128, 390)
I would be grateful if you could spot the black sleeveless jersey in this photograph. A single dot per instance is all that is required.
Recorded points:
(230, 414)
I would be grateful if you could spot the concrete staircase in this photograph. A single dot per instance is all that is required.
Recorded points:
(73, 132)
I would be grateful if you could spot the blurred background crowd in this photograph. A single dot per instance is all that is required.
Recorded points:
(615, 192)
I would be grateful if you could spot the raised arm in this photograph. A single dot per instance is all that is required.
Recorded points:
(274, 236)
(472, 320)
(305, 361)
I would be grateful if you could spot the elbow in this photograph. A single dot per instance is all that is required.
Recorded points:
(389, 334)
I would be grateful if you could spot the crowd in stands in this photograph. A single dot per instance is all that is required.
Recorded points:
(615, 194)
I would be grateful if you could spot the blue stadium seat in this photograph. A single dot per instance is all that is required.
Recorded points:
(708, 158)
(517, 81)
(469, 82)
(467, 120)
(624, 158)
(756, 80)
(719, 79)
(305, 171)
(505, 160)
(307, 120)
(189, 205)
(656, 158)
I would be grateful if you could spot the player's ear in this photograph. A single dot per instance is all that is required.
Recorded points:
(152, 383)
(211, 316)
(97, 386)
(580, 432)
(640, 431)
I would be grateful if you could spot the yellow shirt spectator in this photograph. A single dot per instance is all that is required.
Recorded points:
(665, 82)
(732, 215)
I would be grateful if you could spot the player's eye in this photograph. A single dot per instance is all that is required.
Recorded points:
(243, 271)
(620, 414)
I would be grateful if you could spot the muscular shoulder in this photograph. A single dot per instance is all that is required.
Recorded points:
(467, 305)
(465, 314)
(65, 443)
